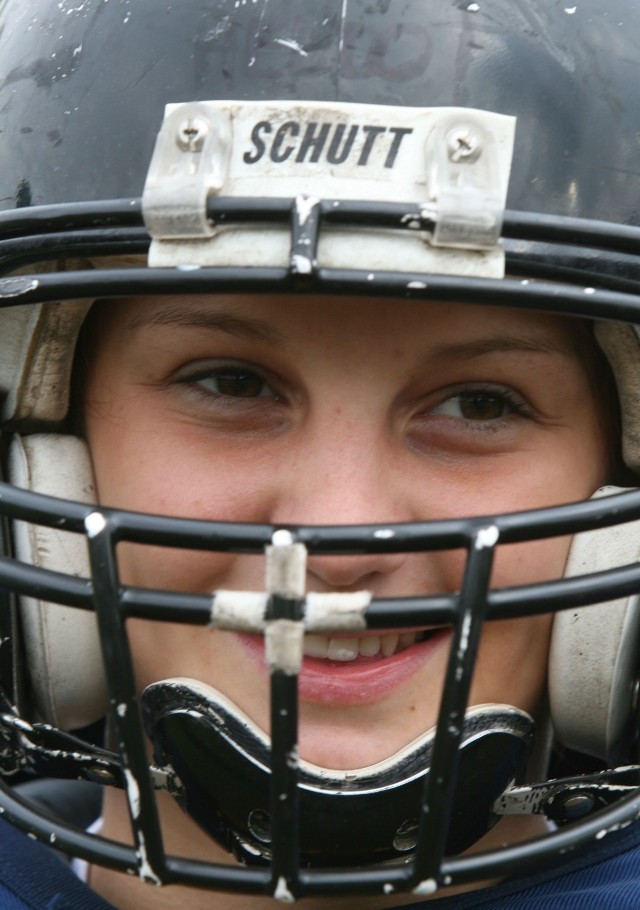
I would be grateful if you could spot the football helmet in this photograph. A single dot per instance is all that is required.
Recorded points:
(340, 147)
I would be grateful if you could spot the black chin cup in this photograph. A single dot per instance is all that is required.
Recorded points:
(346, 817)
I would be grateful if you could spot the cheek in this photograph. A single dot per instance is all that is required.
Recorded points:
(512, 663)
(172, 477)
(189, 571)
(149, 465)
(511, 666)
(530, 562)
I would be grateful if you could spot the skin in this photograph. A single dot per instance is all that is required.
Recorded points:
(329, 411)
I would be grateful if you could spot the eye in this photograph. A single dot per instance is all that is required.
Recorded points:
(236, 397)
(480, 405)
(231, 381)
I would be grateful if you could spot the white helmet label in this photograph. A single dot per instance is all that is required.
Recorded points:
(452, 162)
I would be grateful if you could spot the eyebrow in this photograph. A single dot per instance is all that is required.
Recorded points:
(177, 314)
(252, 328)
(480, 347)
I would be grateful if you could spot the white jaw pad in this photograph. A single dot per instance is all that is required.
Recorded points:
(62, 643)
(593, 661)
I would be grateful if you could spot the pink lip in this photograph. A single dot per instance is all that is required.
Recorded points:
(358, 681)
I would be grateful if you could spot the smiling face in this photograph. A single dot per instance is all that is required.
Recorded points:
(341, 411)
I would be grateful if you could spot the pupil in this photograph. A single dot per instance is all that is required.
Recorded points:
(239, 385)
(481, 406)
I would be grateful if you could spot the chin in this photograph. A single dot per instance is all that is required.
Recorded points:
(346, 746)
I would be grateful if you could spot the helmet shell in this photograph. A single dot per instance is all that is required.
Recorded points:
(83, 83)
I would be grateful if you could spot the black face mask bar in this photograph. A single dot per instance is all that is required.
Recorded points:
(285, 869)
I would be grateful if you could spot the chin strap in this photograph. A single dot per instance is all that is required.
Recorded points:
(365, 815)
(215, 762)
(570, 798)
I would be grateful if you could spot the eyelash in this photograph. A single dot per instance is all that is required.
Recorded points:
(510, 402)
(234, 372)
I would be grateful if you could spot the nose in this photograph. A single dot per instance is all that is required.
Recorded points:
(353, 573)
(347, 478)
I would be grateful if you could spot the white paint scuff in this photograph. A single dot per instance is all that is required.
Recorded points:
(293, 45)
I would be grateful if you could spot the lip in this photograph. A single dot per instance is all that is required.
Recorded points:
(362, 680)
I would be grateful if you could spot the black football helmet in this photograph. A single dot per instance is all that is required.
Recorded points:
(394, 149)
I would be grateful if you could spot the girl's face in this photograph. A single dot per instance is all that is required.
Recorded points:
(341, 411)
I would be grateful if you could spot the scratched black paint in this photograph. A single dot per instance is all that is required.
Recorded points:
(96, 76)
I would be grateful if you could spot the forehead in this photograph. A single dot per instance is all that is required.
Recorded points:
(274, 320)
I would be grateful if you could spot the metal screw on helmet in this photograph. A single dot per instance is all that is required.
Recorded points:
(100, 775)
(259, 824)
(463, 145)
(192, 133)
(406, 836)
(577, 806)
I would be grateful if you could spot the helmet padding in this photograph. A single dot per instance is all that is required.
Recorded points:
(62, 643)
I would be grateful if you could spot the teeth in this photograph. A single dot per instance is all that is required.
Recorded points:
(407, 639)
(342, 649)
(370, 645)
(345, 649)
(316, 645)
(388, 644)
